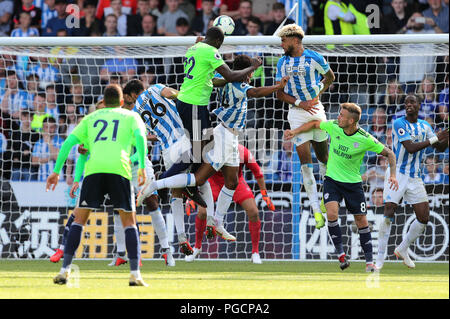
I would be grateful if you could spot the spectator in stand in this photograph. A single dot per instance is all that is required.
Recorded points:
(279, 14)
(45, 151)
(35, 14)
(40, 113)
(378, 124)
(186, 6)
(245, 12)
(392, 100)
(22, 142)
(13, 98)
(104, 8)
(376, 198)
(134, 22)
(201, 20)
(389, 137)
(444, 105)
(48, 12)
(148, 26)
(6, 12)
(167, 21)
(148, 77)
(80, 100)
(89, 23)
(24, 29)
(253, 27)
(374, 176)
(47, 73)
(182, 27)
(51, 103)
(68, 121)
(127, 68)
(394, 22)
(32, 89)
(59, 22)
(116, 6)
(229, 7)
(446, 174)
(307, 13)
(414, 68)
(111, 26)
(432, 175)
(439, 13)
(154, 8)
(429, 106)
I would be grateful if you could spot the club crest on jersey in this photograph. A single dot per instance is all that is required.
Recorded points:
(296, 70)
(356, 145)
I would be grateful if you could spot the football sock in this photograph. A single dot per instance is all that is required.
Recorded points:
(415, 230)
(73, 241)
(336, 236)
(159, 225)
(120, 235)
(133, 247)
(383, 237)
(177, 207)
(176, 181)
(365, 239)
(223, 203)
(66, 231)
(310, 186)
(207, 195)
(255, 229)
(200, 227)
(175, 169)
(322, 169)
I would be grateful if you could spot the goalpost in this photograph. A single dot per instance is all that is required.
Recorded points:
(368, 69)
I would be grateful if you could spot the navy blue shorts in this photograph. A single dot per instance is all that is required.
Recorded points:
(195, 119)
(102, 189)
(352, 193)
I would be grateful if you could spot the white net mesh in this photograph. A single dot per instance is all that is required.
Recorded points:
(64, 83)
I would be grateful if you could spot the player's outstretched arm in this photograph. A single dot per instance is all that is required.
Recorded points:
(439, 142)
(387, 152)
(218, 82)
(169, 93)
(70, 142)
(289, 134)
(267, 90)
(238, 75)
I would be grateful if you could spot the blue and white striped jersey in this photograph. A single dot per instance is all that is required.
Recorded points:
(17, 101)
(42, 150)
(410, 164)
(160, 115)
(31, 32)
(48, 74)
(305, 74)
(46, 14)
(233, 105)
(307, 11)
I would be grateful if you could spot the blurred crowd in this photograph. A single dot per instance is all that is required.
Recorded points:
(42, 98)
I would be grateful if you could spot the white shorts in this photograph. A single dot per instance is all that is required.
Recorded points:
(148, 170)
(226, 149)
(175, 151)
(297, 117)
(412, 190)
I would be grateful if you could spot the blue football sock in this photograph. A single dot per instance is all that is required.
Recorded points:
(336, 236)
(133, 247)
(66, 229)
(73, 241)
(365, 238)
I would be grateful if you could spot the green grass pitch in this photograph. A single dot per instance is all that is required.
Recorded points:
(222, 279)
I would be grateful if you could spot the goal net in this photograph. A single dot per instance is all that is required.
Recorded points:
(62, 78)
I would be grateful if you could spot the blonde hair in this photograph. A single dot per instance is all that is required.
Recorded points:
(354, 109)
(292, 30)
(399, 94)
(423, 94)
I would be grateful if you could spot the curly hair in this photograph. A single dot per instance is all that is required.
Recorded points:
(292, 30)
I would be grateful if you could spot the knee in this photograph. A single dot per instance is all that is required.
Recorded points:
(201, 214)
(423, 219)
(151, 203)
(253, 215)
(199, 180)
(389, 210)
(232, 183)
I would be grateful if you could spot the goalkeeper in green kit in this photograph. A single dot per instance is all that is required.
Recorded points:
(348, 145)
(109, 134)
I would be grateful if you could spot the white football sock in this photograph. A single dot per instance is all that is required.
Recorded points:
(207, 195)
(223, 203)
(415, 230)
(120, 234)
(176, 181)
(159, 225)
(310, 186)
(322, 169)
(383, 237)
(177, 207)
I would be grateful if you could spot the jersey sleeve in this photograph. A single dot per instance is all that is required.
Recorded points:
(137, 124)
(278, 75)
(321, 64)
(244, 87)
(327, 126)
(400, 131)
(215, 59)
(372, 144)
(158, 88)
(81, 131)
(429, 130)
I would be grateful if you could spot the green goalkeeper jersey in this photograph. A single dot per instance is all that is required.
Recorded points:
(199, 67)
(109, 134)
(347, 152)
